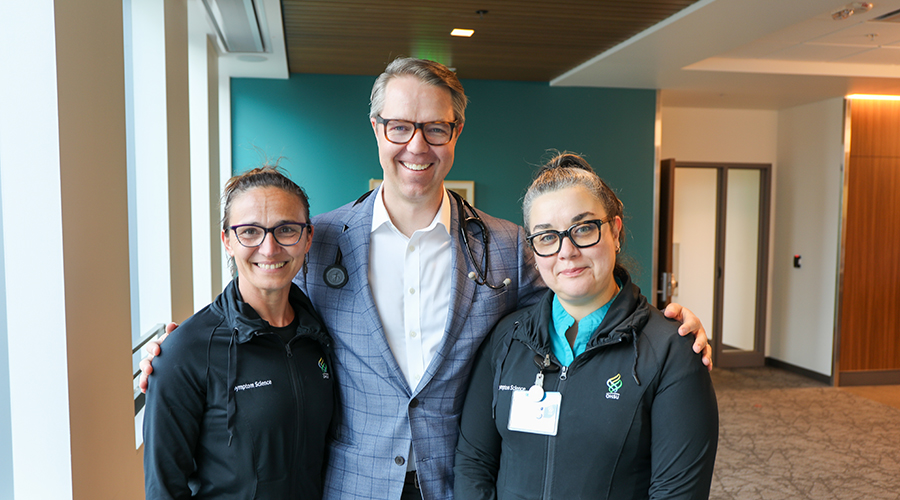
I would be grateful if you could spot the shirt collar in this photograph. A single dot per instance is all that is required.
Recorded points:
(381, 218)
(561, 321)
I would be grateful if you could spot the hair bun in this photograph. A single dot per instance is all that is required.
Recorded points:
(567, 160)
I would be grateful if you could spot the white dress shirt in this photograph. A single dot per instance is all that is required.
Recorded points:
(410, 280)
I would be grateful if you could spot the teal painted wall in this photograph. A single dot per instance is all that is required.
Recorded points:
(319, 125)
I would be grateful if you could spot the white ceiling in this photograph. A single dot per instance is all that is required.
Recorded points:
(755, 54)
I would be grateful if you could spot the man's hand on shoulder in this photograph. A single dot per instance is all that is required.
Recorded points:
(690, 323)
(153, 349)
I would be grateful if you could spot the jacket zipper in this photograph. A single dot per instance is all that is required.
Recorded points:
(551, 442)
(297, 388)
(551, 450)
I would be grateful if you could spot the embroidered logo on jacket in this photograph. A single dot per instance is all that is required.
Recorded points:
(324, 368)
(614, 385)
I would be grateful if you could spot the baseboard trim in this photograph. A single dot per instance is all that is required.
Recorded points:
(776, 363)
(869, 377)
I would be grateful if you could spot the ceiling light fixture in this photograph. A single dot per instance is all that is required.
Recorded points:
(875, 97)
(850, 9)
(462, 32)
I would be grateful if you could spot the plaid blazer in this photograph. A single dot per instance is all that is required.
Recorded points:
(382, 415)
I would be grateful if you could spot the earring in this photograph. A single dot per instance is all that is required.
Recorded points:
(618, 249)
(305, 266)
(535, 265)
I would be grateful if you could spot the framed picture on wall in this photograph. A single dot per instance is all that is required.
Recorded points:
(466, 189)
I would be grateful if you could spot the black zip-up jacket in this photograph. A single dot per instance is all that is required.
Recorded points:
(638, 415)
(234, 412)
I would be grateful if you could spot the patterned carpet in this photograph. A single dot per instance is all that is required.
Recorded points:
(784, 436)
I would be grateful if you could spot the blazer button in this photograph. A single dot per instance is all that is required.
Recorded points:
(399, 460)
(414, 403)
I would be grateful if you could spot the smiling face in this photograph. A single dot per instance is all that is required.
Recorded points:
(414, 172)
(269, 268)
(582, 278)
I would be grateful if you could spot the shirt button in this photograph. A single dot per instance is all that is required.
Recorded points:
(412, 248)
(412, 291)
(399, 460)
(413, 334)
(414, 403)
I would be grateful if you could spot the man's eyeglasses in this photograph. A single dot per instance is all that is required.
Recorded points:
(582, 235)
(402, 131)
(252, 235)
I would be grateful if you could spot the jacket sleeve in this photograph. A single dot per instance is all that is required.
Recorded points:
(478, 449)
(685, 426)
(172, 417)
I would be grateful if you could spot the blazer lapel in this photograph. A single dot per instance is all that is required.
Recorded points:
(462, 291)
(354, 243)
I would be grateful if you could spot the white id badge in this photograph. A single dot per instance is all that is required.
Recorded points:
(527, 414)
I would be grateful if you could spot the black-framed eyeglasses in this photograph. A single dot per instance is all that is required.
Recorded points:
(252, 235)
(402, 131)
(582, 235)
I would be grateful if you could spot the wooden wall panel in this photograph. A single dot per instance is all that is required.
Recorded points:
(875, 128)
(870, 320)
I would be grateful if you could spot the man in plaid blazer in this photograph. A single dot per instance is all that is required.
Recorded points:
(394, 413)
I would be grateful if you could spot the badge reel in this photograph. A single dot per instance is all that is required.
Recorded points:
(535, 411)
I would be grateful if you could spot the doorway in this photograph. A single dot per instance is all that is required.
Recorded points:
(714, 252)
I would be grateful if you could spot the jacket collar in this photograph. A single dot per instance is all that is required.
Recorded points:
(246, 323)
(627, 315)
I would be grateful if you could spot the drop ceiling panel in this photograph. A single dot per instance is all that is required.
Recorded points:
(816, 53)
(802, 32)
(859, 34)
(875, 56)
(757, 50)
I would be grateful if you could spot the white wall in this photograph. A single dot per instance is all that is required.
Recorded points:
(809, 180)
(719, 135)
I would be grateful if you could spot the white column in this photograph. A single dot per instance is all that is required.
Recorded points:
(34, 312)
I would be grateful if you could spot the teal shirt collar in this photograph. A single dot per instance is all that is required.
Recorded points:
(561, 321)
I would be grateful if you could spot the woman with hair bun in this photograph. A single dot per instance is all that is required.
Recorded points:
(242, 404)
(585, 394)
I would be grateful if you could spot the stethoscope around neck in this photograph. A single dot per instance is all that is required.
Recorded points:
(336, 275)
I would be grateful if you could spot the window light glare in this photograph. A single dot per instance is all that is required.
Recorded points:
(875, 97)
(462, 32)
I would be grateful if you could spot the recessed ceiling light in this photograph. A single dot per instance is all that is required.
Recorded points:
(462, 32)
